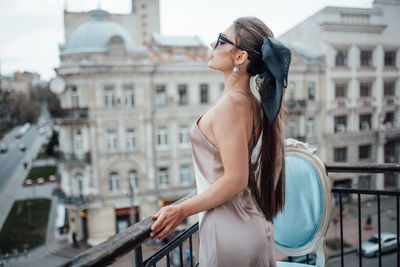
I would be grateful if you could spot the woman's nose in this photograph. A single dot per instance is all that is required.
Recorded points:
(212, 44)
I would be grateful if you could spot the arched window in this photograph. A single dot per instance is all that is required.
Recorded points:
(113, 182)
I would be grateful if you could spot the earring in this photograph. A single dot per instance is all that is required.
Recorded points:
(236, 68)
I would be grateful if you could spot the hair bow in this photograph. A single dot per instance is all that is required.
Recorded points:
(276, 58)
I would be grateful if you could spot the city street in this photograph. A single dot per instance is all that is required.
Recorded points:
(14, 157)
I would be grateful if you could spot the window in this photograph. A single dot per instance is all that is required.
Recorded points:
(161, 96)
(311, 90)
(365, 122)
(364, 151)
(364, 182)
(113, 182)
(341, 57)
(292, 90)
(129, 96)
(74, 97)
(389, 119)
(390, 180)
(162, 138)
(163, 176)
(78, 142)
(109, 96)
(133, 180)
(111, 140)
(130, 139)
(340, 124)
(365, 89)
(390, 58)
(184, 135)
(185, 174)
(292, 128)
(310, 127)
(340, 89)
(388, 87)
(78, 184)
(340, 154)
(203, 93)
(366, 58)
(182, 90)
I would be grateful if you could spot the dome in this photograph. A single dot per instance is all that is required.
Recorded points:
(94, 35)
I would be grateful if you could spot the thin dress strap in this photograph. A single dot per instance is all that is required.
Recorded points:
(253, 132)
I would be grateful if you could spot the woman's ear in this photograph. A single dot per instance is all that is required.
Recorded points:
(241, 57)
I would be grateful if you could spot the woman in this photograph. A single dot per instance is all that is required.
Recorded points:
(239, 192)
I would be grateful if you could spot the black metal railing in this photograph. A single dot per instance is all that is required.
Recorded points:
(76, 113)
(75, 157)
(133, 238)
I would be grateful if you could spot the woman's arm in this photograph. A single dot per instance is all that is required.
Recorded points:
(230, 128)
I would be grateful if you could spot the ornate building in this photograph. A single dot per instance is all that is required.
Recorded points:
(128, 98)
(358, 118)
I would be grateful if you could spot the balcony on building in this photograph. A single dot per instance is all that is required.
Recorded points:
(296, 104)
(69, 115)
(75, 157)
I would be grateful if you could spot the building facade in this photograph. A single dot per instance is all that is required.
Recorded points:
(126, 111)
(359, 118)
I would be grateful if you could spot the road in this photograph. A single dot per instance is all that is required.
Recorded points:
(352, 260)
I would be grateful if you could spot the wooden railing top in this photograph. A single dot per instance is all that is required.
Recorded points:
(122, 243)
(117, 246)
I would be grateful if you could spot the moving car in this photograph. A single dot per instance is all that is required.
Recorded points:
(22, 147)
(3, 148)
(370, 248)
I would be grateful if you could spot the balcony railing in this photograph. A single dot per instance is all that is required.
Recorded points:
(75, 157)
(133, 238)
(72, 200)
(69, 114)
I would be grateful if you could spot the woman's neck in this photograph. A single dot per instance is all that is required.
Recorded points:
(236, 82)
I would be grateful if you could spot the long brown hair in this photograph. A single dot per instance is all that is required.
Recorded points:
(267, 175)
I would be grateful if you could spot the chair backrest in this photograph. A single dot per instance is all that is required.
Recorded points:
(301, 226)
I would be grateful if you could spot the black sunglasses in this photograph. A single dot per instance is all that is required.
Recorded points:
(226, 40)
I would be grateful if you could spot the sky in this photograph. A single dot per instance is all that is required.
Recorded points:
(30, 31)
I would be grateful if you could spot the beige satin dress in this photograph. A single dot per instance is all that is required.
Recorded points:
(236, 232)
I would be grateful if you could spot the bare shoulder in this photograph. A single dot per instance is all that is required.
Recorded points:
(233, 109)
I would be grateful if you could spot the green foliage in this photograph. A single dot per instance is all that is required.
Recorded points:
(42, 171)
(26, 224)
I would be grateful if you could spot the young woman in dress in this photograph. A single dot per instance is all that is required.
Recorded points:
(238, 152)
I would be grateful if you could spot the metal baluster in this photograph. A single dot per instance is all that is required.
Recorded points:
(398, 242)
(180, 254)
(191, 250)
(379, 230)
(138, 256)
(168, 260)
(359, 231)
(341, 228)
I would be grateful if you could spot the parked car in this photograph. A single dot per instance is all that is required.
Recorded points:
(22, 147)
(370, 248)
(3, 148)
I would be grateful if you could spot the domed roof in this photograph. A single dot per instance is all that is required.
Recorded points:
(94, 35)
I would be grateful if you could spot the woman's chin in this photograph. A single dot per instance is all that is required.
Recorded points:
(211, 66)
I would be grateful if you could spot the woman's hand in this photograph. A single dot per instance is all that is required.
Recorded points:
(168, 218)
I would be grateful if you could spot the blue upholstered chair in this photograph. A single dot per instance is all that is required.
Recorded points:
(301, 226)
